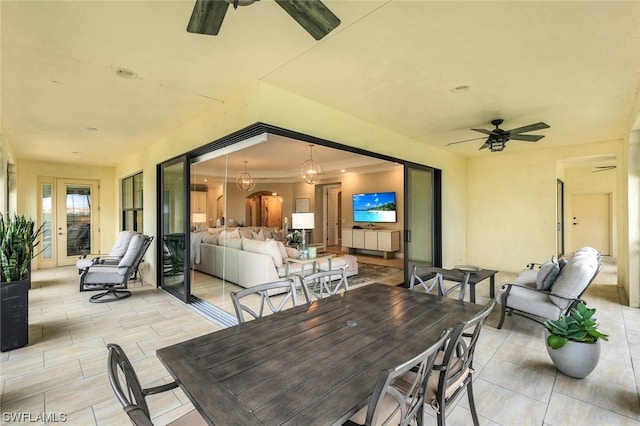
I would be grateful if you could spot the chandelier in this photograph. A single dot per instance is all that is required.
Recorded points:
(245, 181)
(311, 171)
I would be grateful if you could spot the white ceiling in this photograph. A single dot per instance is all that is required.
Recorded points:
(573, 65)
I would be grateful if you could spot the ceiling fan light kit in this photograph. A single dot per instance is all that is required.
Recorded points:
(498, 138)
(312, 15)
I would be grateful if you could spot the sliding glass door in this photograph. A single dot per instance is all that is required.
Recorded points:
(173, 227)
(422, 217)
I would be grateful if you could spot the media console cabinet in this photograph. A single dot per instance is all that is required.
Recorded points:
(385, 240)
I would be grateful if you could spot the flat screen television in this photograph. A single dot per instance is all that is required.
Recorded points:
(378, 207)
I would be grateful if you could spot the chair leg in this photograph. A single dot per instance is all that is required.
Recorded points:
(502, 313)
(472, 404)
(115, 295)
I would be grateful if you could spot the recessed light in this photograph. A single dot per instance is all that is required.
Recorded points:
(342, 170)
(125, 73)
(462, 88)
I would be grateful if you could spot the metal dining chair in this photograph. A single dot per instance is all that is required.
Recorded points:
(133, 400)
(455, 367)
(418, 279)
(391, 404)
(325, 283)
(275, 296)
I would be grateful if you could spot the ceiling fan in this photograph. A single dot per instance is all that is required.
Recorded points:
(498, 138)
(312, 15)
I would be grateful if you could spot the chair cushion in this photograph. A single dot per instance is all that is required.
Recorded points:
(573, 279)
(122, 243)
(132, 251)
(526, 277)
(387, 407)
(532, 301)
(547, 274)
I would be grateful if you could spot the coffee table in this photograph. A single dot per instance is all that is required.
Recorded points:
(461, 276)
(313, 261)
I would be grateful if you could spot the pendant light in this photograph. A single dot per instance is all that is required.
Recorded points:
(311, 171)
(245, 181)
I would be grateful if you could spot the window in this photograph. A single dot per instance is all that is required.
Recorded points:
(132, 203)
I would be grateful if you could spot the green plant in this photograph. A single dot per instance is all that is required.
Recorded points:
(578, 326)
(18, 239)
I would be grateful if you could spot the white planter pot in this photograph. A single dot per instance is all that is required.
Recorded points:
(575, 359)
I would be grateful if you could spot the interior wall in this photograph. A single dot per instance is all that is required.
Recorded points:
(511, 204)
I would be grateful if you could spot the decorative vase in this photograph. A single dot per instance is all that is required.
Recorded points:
(14, 314)
(576, 359)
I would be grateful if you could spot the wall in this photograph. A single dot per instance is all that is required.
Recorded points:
(29, 171)
(511, 204)
(582, 180)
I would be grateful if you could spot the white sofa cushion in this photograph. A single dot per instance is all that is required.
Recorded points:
(265, 247)
(234, 243)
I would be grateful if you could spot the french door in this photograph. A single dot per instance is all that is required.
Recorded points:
(69, 211)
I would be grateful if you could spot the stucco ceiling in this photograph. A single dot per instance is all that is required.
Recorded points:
(573, 65)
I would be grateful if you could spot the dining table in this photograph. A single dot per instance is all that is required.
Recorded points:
(313, 364)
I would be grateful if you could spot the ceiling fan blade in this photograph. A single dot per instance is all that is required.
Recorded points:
(207, 16)
(486, 132)
(526, 138)
(312, 15)
(486, 145)
(529, 128)
(466, 140)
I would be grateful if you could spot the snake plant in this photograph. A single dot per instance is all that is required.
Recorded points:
(18, 239)
(578, 326)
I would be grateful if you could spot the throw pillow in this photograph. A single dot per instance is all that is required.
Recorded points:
(547, 274)
(258, 235)
(245, 233)
(562, 262)
(292, 252)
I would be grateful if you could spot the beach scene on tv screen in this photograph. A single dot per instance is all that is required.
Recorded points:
(374, 207)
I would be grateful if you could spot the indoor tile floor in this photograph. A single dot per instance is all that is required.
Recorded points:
(61, 374)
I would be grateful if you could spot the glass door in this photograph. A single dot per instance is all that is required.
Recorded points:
(173, 228)
(422, 217)
(76, 214)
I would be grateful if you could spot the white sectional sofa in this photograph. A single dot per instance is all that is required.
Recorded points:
(249, 261)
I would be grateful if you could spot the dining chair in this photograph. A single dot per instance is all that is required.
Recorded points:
(400, 405)
(133, 399)
(275, 296)
(419, 278)
(326, 283)
(455, 367)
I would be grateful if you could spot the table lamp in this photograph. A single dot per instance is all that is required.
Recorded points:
(302, 221)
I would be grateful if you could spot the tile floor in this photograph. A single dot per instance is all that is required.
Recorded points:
(62, 372)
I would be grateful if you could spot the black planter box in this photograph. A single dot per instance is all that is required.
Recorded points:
(14, 314)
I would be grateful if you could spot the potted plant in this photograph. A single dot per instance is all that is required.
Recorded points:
(573, 341)
(18, 239)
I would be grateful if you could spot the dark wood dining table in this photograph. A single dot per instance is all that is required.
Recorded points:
(313, 364)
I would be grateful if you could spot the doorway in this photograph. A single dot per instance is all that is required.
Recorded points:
(333, 215)
(69, 212)
(591, 222)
